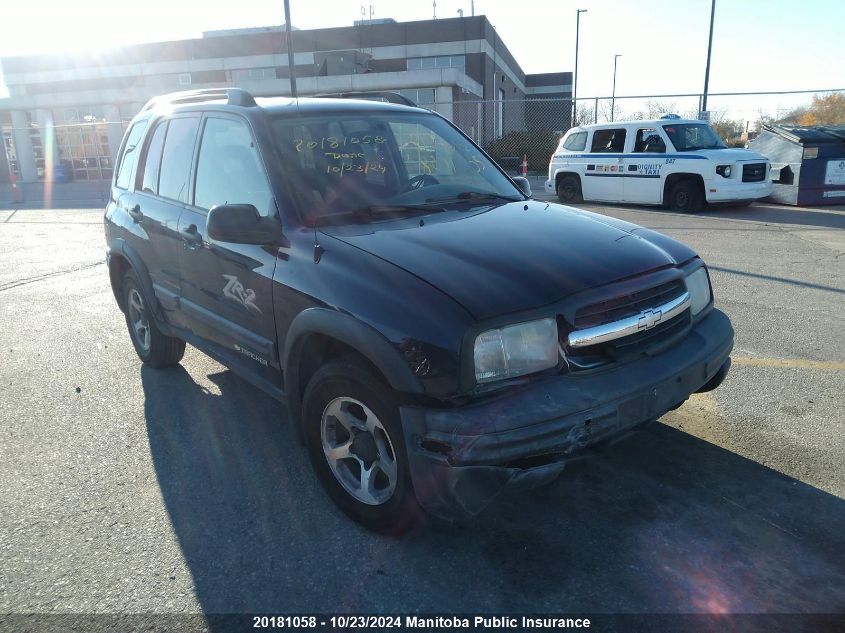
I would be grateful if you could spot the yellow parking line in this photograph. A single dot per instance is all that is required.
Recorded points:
(789, 363)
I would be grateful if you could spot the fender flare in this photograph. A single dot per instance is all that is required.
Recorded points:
(350, 331)
(560, 172)
(120, 247)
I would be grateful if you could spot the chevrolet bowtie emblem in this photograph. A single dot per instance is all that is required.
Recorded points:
(648, 319)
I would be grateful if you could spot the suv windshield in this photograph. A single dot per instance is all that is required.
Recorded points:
(690, 136)
(387, 163)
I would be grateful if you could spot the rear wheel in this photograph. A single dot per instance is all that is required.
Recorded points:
(355, 442)
(569, 189)
(152, 346)
(686, 196)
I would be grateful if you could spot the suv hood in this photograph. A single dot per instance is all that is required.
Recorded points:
(512, 258)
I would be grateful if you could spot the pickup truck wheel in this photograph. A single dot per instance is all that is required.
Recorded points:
(569, 190)
(356, 446)
(152, 346)
(687, 197)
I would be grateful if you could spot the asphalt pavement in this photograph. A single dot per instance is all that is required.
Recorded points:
(131, 490)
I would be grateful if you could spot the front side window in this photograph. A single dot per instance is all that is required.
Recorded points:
(576, 142)
(389, 161)
(691, 136)
(176, 158)
(609, 140)
(130, 155)
(229, 169)
(648, 140)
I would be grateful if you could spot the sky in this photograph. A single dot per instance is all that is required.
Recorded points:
(758, 45)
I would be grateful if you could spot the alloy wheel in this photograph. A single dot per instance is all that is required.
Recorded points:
(359, 451)
(138, 319)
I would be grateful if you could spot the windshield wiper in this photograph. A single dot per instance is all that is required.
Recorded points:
(474, 196)
(367, 213)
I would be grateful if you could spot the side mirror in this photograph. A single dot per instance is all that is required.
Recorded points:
(523, 184)
(242, 224)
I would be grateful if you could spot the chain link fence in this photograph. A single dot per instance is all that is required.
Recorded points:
(513, 132)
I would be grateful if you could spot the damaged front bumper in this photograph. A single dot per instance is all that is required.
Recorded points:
(461, 458)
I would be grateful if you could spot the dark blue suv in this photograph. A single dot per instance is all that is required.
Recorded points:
(436, 333)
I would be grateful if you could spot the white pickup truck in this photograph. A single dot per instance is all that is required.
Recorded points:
(676, 162)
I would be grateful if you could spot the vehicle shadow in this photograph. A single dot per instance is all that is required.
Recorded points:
(819, 217)
(661, 522)
(822, 217)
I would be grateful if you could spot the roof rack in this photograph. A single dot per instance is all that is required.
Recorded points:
(233, 96)
(389, 97)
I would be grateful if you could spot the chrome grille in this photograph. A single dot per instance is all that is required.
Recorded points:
(623, 315)
(627, 305)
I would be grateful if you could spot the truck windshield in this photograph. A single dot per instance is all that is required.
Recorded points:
(689, 136)
(357, 166)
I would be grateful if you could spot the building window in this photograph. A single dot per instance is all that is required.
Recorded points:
(500, 113)
(83, 143)
(441, 61)
(253, 74)
(7, 137)
(420, 96)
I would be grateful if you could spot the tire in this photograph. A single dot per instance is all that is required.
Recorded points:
(152, 346)
(687, 197)
(349, 409)
(569, 190)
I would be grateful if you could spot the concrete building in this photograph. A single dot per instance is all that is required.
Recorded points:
(71, 110)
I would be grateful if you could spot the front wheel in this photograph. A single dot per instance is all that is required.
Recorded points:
(355, 442)
(569, 190)
(687, 197)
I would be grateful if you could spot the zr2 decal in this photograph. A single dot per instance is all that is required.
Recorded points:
(234, 289)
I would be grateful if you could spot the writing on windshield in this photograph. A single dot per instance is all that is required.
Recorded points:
(387, 161)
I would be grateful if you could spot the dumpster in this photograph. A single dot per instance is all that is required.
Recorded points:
(808, 163)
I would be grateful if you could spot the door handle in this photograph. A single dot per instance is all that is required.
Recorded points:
(191, 236)
(135, 213)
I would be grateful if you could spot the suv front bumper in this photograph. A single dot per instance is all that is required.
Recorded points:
(461, 458)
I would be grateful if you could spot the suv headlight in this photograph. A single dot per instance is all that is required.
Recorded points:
(515, 350)
(724, 170)
(698, 286)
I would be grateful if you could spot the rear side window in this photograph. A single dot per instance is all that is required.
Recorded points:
(576, 142)
(609, 140)
(130, 155)
(152, 162)
(176, 158)
(229, 170)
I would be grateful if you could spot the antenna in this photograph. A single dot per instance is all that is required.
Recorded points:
(434, 8)
(372, 11)
(472, 7)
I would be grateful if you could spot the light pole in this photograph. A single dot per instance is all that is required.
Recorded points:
(575, 74)
(709, 51)
(613, 95)
(290, 51)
